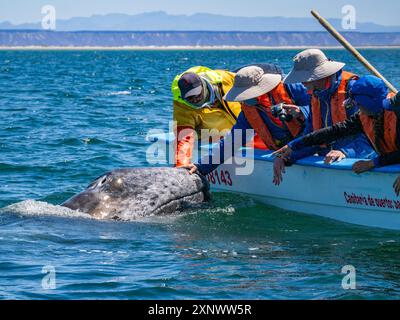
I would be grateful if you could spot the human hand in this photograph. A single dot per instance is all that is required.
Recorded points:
(279, 169)
(283, 153)
(363, 166)
(334, 155)
(292, 110)
(192, 168)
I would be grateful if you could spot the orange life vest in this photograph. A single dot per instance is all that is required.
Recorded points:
(279, 95)
(338, 111)
(388, 142)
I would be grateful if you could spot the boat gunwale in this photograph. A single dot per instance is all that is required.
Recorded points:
(318, 162)
(266, 155)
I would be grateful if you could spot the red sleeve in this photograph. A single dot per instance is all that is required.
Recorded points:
(184, 145)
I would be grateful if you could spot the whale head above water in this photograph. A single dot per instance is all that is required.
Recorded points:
(125, 194)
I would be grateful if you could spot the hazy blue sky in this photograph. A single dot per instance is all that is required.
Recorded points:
(383, 12)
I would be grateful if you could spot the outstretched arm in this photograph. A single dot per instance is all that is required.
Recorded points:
(225, 148)
(328, 135)
(184, 145)
(379, 161)
(185, 134)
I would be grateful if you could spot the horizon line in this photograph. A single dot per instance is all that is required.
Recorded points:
(184, 48)
(195, 31)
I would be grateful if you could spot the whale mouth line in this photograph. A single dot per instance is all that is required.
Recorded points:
(164, 205)
(177, 205)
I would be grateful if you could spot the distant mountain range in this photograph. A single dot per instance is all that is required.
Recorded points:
(161, 21)
(24, 38)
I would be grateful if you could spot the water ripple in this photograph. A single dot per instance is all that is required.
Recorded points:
(80, 114)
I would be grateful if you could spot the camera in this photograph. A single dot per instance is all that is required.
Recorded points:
(279, 112)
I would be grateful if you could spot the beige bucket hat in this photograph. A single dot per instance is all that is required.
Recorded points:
(252, 82)
(312, 65)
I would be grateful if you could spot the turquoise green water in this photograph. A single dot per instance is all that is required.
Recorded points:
(67, 117)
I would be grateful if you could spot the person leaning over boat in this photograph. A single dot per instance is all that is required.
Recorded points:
(328, 85)
(258, 92)
(378, 124)
(198, 104)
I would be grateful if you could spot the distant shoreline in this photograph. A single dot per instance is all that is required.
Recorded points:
(196, 40)
(171, 48)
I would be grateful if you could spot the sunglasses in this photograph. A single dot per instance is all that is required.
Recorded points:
(195, 99)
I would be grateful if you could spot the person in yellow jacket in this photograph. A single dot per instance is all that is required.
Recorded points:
(198, 104)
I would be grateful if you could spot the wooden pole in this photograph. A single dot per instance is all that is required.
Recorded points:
(351, 49)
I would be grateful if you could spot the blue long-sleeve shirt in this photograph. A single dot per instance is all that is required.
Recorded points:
(239, 135)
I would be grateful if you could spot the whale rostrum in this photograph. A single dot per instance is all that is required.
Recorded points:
(138, 192)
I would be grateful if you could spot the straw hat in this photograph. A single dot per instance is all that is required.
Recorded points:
(312, 65)
(252, 82)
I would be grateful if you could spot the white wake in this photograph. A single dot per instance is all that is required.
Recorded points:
(39, 208)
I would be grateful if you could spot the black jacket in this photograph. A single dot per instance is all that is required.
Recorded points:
(351, 126)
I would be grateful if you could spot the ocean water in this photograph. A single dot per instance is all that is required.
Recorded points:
(66, 117)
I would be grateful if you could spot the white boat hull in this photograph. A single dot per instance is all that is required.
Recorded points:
(310, 187)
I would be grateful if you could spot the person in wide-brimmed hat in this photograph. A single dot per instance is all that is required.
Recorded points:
(329, 85)
(251, 82)
(312, 65)
(275, 126)
(374, 120)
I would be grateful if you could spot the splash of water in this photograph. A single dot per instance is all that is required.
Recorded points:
(39, 208)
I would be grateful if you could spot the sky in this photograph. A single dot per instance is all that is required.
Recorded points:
(384, 12)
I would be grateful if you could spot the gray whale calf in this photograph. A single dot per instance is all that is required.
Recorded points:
(124, 194)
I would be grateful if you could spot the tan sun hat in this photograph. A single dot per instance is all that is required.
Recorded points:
(312, 65)
(252, 82)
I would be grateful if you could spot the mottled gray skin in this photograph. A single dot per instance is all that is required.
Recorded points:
(126, 194)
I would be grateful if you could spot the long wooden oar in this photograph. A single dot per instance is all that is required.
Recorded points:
(351, 49)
